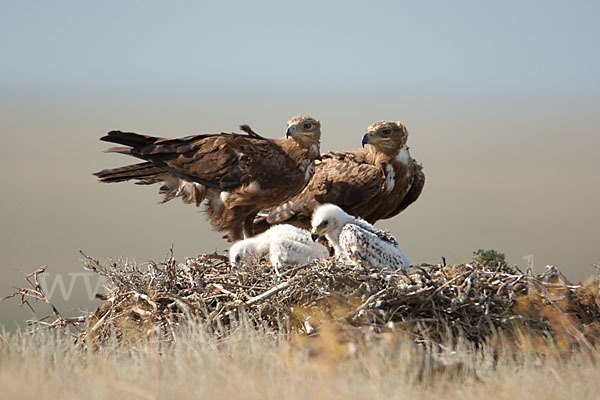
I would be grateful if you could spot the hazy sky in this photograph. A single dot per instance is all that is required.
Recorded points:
(500, 98)
(530, 49)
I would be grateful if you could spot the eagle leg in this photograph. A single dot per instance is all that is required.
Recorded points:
(249, 225)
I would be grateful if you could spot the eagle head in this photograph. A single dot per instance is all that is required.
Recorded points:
(304, 129)
(386, 136)
(243, 251)
(328, 218)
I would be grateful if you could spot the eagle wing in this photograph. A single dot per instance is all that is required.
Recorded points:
(380, 233)
(341, 178)
(364, 247)
(238, 174)
(288, 252)
(214, 160)
(414, 191)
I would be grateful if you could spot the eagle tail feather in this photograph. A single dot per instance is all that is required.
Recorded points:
(130, 139)
(145, 172)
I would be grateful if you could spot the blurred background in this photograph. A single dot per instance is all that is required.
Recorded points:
(501, 100)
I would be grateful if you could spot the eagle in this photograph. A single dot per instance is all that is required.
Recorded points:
(373, 182)
(356, 241)
(285, 244)
(238, 174)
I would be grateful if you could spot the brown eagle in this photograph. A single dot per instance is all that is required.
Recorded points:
(238, 174)
(376, 182)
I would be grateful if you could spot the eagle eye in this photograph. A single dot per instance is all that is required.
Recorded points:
(308, 125)
(386, 132)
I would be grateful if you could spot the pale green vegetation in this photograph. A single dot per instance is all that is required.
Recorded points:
(490, 258)
(249, 364)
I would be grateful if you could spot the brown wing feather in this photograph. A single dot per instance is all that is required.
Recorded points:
(218, 161)
(346, 179)
(413, 193)
(342, 178)
(238, 174)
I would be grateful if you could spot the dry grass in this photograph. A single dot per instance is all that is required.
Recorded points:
(250, 364)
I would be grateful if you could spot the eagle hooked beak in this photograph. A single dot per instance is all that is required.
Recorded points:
(373, 138)
(289, 132)
(366, 139)
(318, 231)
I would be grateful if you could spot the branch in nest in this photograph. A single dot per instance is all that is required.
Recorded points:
(36, 292)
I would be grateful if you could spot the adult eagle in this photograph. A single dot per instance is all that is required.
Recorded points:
(238, 174)
(374, 182)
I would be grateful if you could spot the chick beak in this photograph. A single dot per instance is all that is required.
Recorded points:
(366, 139)
(317, 232)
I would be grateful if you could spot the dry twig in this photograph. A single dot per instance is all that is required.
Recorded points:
(430, 302)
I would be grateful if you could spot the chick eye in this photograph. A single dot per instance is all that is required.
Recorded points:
(386, 132)
(307, 125)
(238, 258)
(325, 223)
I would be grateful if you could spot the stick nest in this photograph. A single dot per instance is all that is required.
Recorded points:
(476, 302)
(428, 302)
